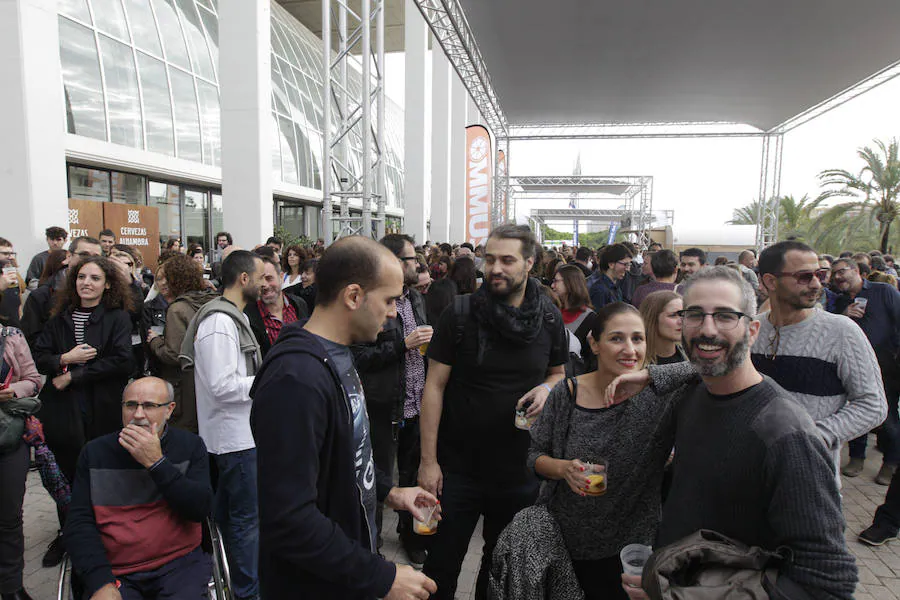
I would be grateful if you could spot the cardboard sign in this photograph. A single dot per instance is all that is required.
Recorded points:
(85, 218)
(135, 226)
(479, 160)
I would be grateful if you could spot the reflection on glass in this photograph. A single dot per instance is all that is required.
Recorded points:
(216, 215)
(281, 102)
(196, 40)
(121, 94)
(209, 123)
(212, 31)
(88, 184)
(288, 150)
(81, 80)
(276, 149)
(167, 198)
(187, 121)
(195, 218)
(143, 26)
(75, 8)
(128, 188)
(290, 216)
(173, 39)
(157, 105)
(304, 155)
(110, 18)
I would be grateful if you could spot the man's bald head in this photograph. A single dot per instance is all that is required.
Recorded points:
(352, 260)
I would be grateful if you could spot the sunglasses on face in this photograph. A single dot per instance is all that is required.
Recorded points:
(805, 277)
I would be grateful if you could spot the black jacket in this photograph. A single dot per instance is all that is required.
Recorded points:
(97, 385)
(382, 365)
(36, 312)
(313, 534)
(259, 327)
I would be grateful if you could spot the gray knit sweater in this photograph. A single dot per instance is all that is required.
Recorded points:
(828, 365)
(635, 438)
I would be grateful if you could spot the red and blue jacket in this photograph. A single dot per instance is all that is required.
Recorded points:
(126, 519)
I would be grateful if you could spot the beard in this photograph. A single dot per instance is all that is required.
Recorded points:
(410, 279)
(250, 293)
(734, 355)
(513, 286)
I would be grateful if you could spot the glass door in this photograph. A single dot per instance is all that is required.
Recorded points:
(195, 215)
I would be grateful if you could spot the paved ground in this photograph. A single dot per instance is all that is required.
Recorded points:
(879, 568)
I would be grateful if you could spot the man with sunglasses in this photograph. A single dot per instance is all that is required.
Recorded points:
(139, 498)
(824, 360)
(875, 307)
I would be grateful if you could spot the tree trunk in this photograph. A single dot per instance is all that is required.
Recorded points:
(885, 234)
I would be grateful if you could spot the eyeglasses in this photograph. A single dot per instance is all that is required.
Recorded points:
(805, 277)
(841, 271)
(8, 253)
(724, 319)
(147, 406)
(406, 258)
(624, 263)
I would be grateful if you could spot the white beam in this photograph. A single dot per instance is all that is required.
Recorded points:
(440, 144)
(458, 122)
(33, 175)
(245, 89)
(416, 162)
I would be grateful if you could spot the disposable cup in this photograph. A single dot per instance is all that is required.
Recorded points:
(429, 524)
(634, 557)
(861, 302)
(598, 476)
(423, 349)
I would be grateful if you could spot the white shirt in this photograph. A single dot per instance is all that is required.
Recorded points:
(288, 281)
(222, 386)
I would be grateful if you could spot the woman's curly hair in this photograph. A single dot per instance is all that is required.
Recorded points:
(183, 274)
(118, 295)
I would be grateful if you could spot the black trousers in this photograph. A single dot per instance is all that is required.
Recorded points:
(888, 514)
(384, 448)
(600, 579)
(13, 473)
(463, 501)
(408, 453)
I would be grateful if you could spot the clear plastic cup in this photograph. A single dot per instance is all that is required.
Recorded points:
(634, 557)
(861, 302)
(429, 525)
(597, 475)
(523, 421)
(423, 349)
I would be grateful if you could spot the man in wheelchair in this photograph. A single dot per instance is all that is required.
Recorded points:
(140, 496)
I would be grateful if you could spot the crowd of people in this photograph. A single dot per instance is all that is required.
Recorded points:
(577, 400)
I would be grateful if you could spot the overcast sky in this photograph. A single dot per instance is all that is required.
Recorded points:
(704, 180)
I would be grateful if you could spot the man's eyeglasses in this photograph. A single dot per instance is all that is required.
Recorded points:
(841, 271)
(8, 253)
(805, 277)
(147, 406)
(724, 319)
(624, 263)
(406, 258)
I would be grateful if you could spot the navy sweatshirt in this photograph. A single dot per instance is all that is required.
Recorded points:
(127, 519)
(314, 539)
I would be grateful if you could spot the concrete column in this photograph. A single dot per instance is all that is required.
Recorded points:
(441, 73)
(458, 122)
(32, 155)
(245, 90)
(416, 163)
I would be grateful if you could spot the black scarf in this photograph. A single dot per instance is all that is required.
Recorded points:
(520, 325)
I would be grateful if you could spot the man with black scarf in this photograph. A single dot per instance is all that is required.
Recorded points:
(500, 349)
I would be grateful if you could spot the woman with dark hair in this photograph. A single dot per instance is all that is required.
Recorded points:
(602, 466)
(38, 304)
(615, 262)
(308, 288)
(463, 274)
(174, 244)
(189, 292)
(56, 262)
(85, 352)
(660, 313)
(550, 270)
(292, 265)
(441, 268)
(195, 252)
(570, 287)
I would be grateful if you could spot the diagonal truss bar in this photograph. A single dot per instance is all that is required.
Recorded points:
(769, 191)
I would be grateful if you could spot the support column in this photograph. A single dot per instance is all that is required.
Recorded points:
(245, 90)
(440, 144)
(33, 176)
(458, 122)
(416, 163)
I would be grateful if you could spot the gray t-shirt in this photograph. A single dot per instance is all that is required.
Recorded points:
(362, 442)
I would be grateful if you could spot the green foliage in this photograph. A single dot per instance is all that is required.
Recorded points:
(288, 239)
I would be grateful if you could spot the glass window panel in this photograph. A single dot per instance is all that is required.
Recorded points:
(211, 23)
(217, 217)
(157, 105)
(303, 157)
(173, 39)
(143, 26)
(276, 149)
(315, 145)
(209, 123)
(75, 8)
(277, 45)
(85, 114)
(281, 102)
(128, 188)
(110, 18)
(121, 93)
(167, 198)
(88, 184)
(290, 216)
(206, 3)
(196, 40)
(187, 119)
(288, 150)
(196, 214)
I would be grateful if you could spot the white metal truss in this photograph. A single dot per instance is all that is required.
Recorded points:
(349, 120)
(451, 30)
(598, 131)
(769, 192)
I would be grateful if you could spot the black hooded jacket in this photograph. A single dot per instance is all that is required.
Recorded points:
(313, 534)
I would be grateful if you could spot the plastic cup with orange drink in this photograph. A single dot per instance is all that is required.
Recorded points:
(429, 523)
(423, 349)
(596, 474)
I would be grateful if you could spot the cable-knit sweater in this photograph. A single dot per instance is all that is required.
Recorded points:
(828, 365)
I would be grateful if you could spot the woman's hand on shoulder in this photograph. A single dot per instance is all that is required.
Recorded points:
(626, 386)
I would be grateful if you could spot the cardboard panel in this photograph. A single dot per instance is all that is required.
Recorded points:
(136, 226)
(85, 218)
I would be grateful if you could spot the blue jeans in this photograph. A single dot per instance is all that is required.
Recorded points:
(237, 515)
(888, 434)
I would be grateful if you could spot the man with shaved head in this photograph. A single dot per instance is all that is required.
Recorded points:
(138, 501)
(317, 480)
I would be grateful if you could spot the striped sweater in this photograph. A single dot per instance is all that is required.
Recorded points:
(829, 367)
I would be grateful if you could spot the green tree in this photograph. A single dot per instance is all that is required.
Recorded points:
(875, 190)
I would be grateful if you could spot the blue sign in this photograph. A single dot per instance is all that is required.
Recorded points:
(613, 228)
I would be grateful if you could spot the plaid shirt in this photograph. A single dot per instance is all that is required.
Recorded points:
(415, 363)
(273, 325)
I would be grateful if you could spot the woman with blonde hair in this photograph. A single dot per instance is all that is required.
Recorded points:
(660, 313)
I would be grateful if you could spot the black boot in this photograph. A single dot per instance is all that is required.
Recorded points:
(54, 553)
(19, 595)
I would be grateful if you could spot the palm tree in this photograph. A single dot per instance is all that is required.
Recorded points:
(875, 188)
(746, 215)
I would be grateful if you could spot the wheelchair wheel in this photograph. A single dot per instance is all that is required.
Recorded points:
(220, 586)
(64, 586)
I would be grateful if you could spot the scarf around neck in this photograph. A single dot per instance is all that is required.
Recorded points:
(519, 325)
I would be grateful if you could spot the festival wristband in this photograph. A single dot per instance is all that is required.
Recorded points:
(549, 389)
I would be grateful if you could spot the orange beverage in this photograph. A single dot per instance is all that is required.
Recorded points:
(429, 525)
(597, 478)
